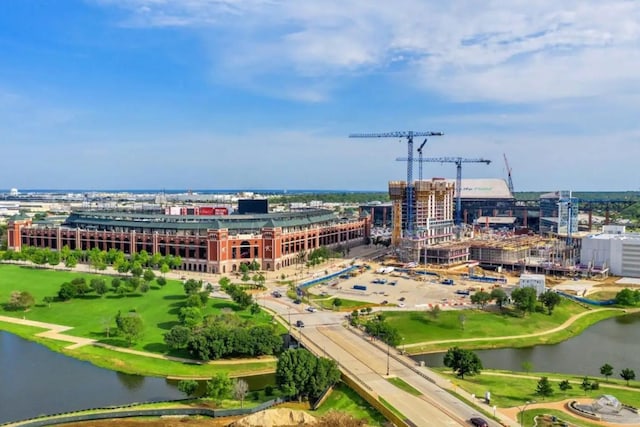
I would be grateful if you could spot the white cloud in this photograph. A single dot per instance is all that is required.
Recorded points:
(501, 50)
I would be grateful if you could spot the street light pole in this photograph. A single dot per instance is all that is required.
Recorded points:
(524, 408)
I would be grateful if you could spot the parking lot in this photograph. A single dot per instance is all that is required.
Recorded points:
(399, 290)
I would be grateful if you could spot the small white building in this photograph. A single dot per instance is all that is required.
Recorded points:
(535, 281)
(613, 248)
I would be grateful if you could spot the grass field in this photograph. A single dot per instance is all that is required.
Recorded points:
(402, 385)
(513, 391)
(347, 304)
(344, 399)
(90, 315)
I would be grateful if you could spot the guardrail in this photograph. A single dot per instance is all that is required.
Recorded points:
(327, 277)
(587, 300)
(114, 412)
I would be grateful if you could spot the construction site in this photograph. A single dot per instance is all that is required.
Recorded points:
(428, 228)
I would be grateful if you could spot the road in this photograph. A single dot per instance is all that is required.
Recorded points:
(366, 362)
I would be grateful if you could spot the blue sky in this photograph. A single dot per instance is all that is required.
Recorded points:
(179, 94)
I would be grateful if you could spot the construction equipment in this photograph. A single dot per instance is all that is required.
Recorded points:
(409, 190)
(419, 150)
(510, 181)
(458, 161)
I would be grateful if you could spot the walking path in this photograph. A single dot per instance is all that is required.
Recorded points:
(56, 332)
(563, 326)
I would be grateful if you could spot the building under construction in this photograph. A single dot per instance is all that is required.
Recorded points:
(432, 207)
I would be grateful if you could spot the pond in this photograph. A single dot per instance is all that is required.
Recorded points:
(613, 341)
(36, 381)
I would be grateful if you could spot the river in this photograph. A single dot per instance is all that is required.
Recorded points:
(36, 381)
(613, 341)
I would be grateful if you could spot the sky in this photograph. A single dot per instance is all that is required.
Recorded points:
(262, 94)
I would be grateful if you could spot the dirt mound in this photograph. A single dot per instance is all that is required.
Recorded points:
(280, 417)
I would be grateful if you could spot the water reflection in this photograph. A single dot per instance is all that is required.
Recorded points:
(131, 382)
(613, 341)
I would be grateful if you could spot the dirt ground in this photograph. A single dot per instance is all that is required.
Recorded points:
(158, 422)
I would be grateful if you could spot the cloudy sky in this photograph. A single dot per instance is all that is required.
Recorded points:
(262, 94)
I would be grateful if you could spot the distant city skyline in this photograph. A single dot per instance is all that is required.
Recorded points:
(127, 94)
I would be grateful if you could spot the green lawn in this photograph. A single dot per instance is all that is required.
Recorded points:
(89, 315)
(513, 391)
(402, 385)
(344, 399)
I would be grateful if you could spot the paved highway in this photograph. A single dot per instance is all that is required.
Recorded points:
(366, 362)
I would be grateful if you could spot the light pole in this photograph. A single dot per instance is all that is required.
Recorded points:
(524, 408)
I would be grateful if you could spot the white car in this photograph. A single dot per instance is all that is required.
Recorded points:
(311, 309)
(401, 305)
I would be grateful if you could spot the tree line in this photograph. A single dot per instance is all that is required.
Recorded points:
(524, 300)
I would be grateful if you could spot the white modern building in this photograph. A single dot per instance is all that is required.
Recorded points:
(613, 248)
(535, 281)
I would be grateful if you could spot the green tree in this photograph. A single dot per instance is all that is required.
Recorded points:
(190, 316)
(148, 275)
(544, 388)
(586, 385)
(627, 375)
(550, 299)
(219, 387)
(565, 385)
(177, 337)
(164, 269)
(300, 374)
(98, 285)
(192, 286)
(71, 261)
(255, 308)
(481, 298)
(188, 387)
(336, 303)
(67, 291)
(136, 269)
(626, 297)
(130, 326)
(462, 362)
(500, 296)
(20, 300)
(527, 366)
(435, 311)
(47, 300)
(161, 281)
(240, 390)
(606, 370)
(524, 299)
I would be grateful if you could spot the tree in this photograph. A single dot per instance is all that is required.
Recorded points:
(67, 291)
(300, 374)
(550, 299)
(219, 387)
(463, 362)
(524, 299)
(337, 302)
(177, 337)
(136, 269)
(606, 370)
(462, 319)
(585, 385)
(500, 296)
(161, 281)
(188, 387)
(481, 298)
(190, 316)
(192, 286)
(435, 311)
(71, 261)
(255, 308)
(626, 297)
(240, 390)
(148, 275)
(527, 366)
(98, 285)
(627, 375)
(164, 269)
(564, 386)
(544, 388)
(130, 326)
(20, 300)
(47, 300)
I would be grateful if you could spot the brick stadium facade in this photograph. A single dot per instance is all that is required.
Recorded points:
(213, 244)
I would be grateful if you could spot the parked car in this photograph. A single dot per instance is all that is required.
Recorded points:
(276, 294)
(384, 302)
(402, 298)
(299, 323)
(479, 422)
(311, 309)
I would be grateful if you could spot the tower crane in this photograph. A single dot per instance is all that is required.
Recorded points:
(510, 181)
(409, 137)
(458, 161)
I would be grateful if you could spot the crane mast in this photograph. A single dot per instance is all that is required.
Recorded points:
(408, 135)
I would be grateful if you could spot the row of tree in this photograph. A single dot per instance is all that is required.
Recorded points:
(98, 259)
(79, 287)
(524, 299)
(628, 298)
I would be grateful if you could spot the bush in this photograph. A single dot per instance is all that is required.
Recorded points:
(268, 390)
